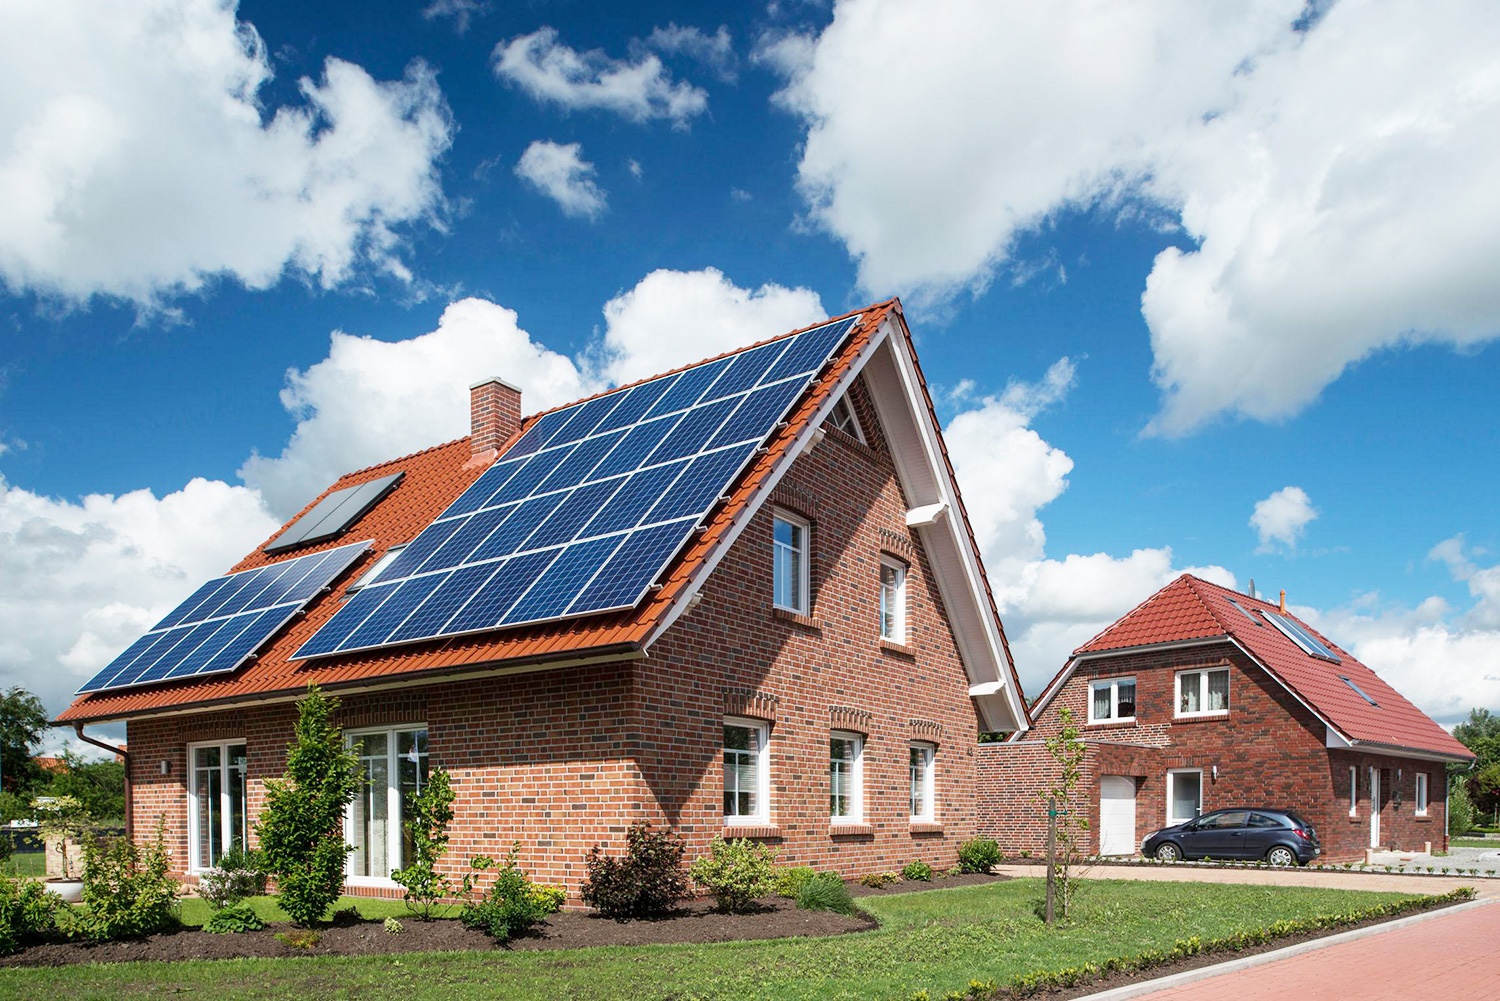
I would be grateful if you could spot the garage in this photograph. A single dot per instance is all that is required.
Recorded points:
(1117, 815)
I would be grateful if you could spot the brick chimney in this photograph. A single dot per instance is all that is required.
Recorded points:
(494, 415)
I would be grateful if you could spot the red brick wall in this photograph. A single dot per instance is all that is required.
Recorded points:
(1269, 751)
(564, 759)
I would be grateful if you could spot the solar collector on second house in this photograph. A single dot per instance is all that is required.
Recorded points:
(582, 616)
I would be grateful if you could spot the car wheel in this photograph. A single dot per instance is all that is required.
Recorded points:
(1169, 852)
(1281, 856)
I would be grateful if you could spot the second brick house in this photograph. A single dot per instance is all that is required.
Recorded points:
(739, 598)
(1203, 698)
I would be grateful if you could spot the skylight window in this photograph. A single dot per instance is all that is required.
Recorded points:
(1309, 643)
(1359, 691)
(1244, 611)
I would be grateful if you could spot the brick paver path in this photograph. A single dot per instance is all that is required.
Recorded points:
(1453, 956)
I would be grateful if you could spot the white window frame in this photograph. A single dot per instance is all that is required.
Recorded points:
(762, 730)
(853, 429)
(1422, 798)
(226, 826)
(856, 814)
(897, 633)
(1203, 673)
(394, 834)
(805, 554)
(928, 780)
(1113, 684)
(1354, 790)
(1172, 774)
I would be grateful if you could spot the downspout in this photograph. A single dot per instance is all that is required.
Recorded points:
(123, 753)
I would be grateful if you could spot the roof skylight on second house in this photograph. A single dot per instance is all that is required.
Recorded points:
(1309, 643)
(1358, 690)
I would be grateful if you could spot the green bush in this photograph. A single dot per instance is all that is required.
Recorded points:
(736, 872)
(27, 912)
(238, 874)
(917, 872)
(1460, 809)
(431, 812)
(513, 904)
(126, 889)
(393, 926)
(789, 881)
(825, 892)
(879, 880)
(978, 855)
(233, 918)
(648, 882)
(346, 917)
(301, 830)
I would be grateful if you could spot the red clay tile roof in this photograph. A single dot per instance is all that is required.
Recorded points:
(434, 478)
(1189, 609)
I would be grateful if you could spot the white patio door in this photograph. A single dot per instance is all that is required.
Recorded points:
(1117, 815)
(1374, 808)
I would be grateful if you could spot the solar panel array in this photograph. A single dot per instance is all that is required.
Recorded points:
(224, 621)
(334, 513)
(586, 510)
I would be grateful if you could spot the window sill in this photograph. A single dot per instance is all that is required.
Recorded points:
(1422, 818)
(1105, 724)
(752, 831)
(850, 830)
(900, 649)
(925, 827)
(1200, 717)
(797, 618)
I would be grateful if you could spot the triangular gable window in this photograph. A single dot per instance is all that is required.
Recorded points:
(842, 418)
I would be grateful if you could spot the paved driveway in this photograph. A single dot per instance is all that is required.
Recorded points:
(1454, 955)
(1487, 859)
(1488, 888)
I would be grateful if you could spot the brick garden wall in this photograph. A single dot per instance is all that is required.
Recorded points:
(564, 759)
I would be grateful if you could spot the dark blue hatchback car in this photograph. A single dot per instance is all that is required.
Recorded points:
(1281, 837)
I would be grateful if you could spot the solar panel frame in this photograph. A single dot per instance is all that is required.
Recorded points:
(260, 601)
(577, 509)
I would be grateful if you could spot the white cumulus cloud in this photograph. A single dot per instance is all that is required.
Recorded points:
(1281, 518)
(715, 51)
(137, 160)
(639, 89)
(461, 11)
(1331, 174)
(559, 171)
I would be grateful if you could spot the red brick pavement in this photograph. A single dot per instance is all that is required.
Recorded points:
(1456, 956)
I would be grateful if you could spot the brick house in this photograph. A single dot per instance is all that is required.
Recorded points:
(1203, 698)
(810, 667)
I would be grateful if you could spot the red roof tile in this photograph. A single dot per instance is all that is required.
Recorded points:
(434, 478)
(1189, 609)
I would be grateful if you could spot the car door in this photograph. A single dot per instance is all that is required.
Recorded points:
(1222, 835)
(1262, 832)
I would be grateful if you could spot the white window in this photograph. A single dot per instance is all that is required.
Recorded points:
(1184, 794)
(842, 417)
(393, 763)
(790, 564)
(216, 802)
(1112, 700)
(747, 772)
(1203, 693)
(1353, 791)
(892, 601)
(368, 577)
(845, 777)
(1421, 794)
(922, 806)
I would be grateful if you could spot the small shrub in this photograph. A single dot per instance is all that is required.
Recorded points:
(126, 889)
(551, 898)
(393, 927)
(513, 904)
(27, 912)
(879, 880)
(1026, 853)
(238, 875)
(234, 918)
(648, 882)
(917, 872)
(825, 892)
(346, 917)
(957, 870)
(789, 881)
(305, 938)
(736, 872)
(431, 812)
(978, 855)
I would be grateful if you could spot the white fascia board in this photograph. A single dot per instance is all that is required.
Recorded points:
(1397, 751)
(913, 437)
(810, 436)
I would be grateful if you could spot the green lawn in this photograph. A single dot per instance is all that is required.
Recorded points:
(936, 940)
(27, 864)
(195, 910)
(1493, 843)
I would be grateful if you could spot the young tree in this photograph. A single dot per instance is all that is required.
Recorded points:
(1071, 806)
(22, 722)
(1480, 733)
(301, 829)
(431, 813)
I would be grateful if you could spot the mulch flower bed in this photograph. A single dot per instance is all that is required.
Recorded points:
(695, 922)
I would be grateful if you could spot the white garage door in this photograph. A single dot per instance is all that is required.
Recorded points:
(1117, 815)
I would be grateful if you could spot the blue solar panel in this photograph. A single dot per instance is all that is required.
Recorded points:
(224, 621)
(589, 506)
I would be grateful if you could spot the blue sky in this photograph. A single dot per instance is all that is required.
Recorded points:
(1196, 289)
